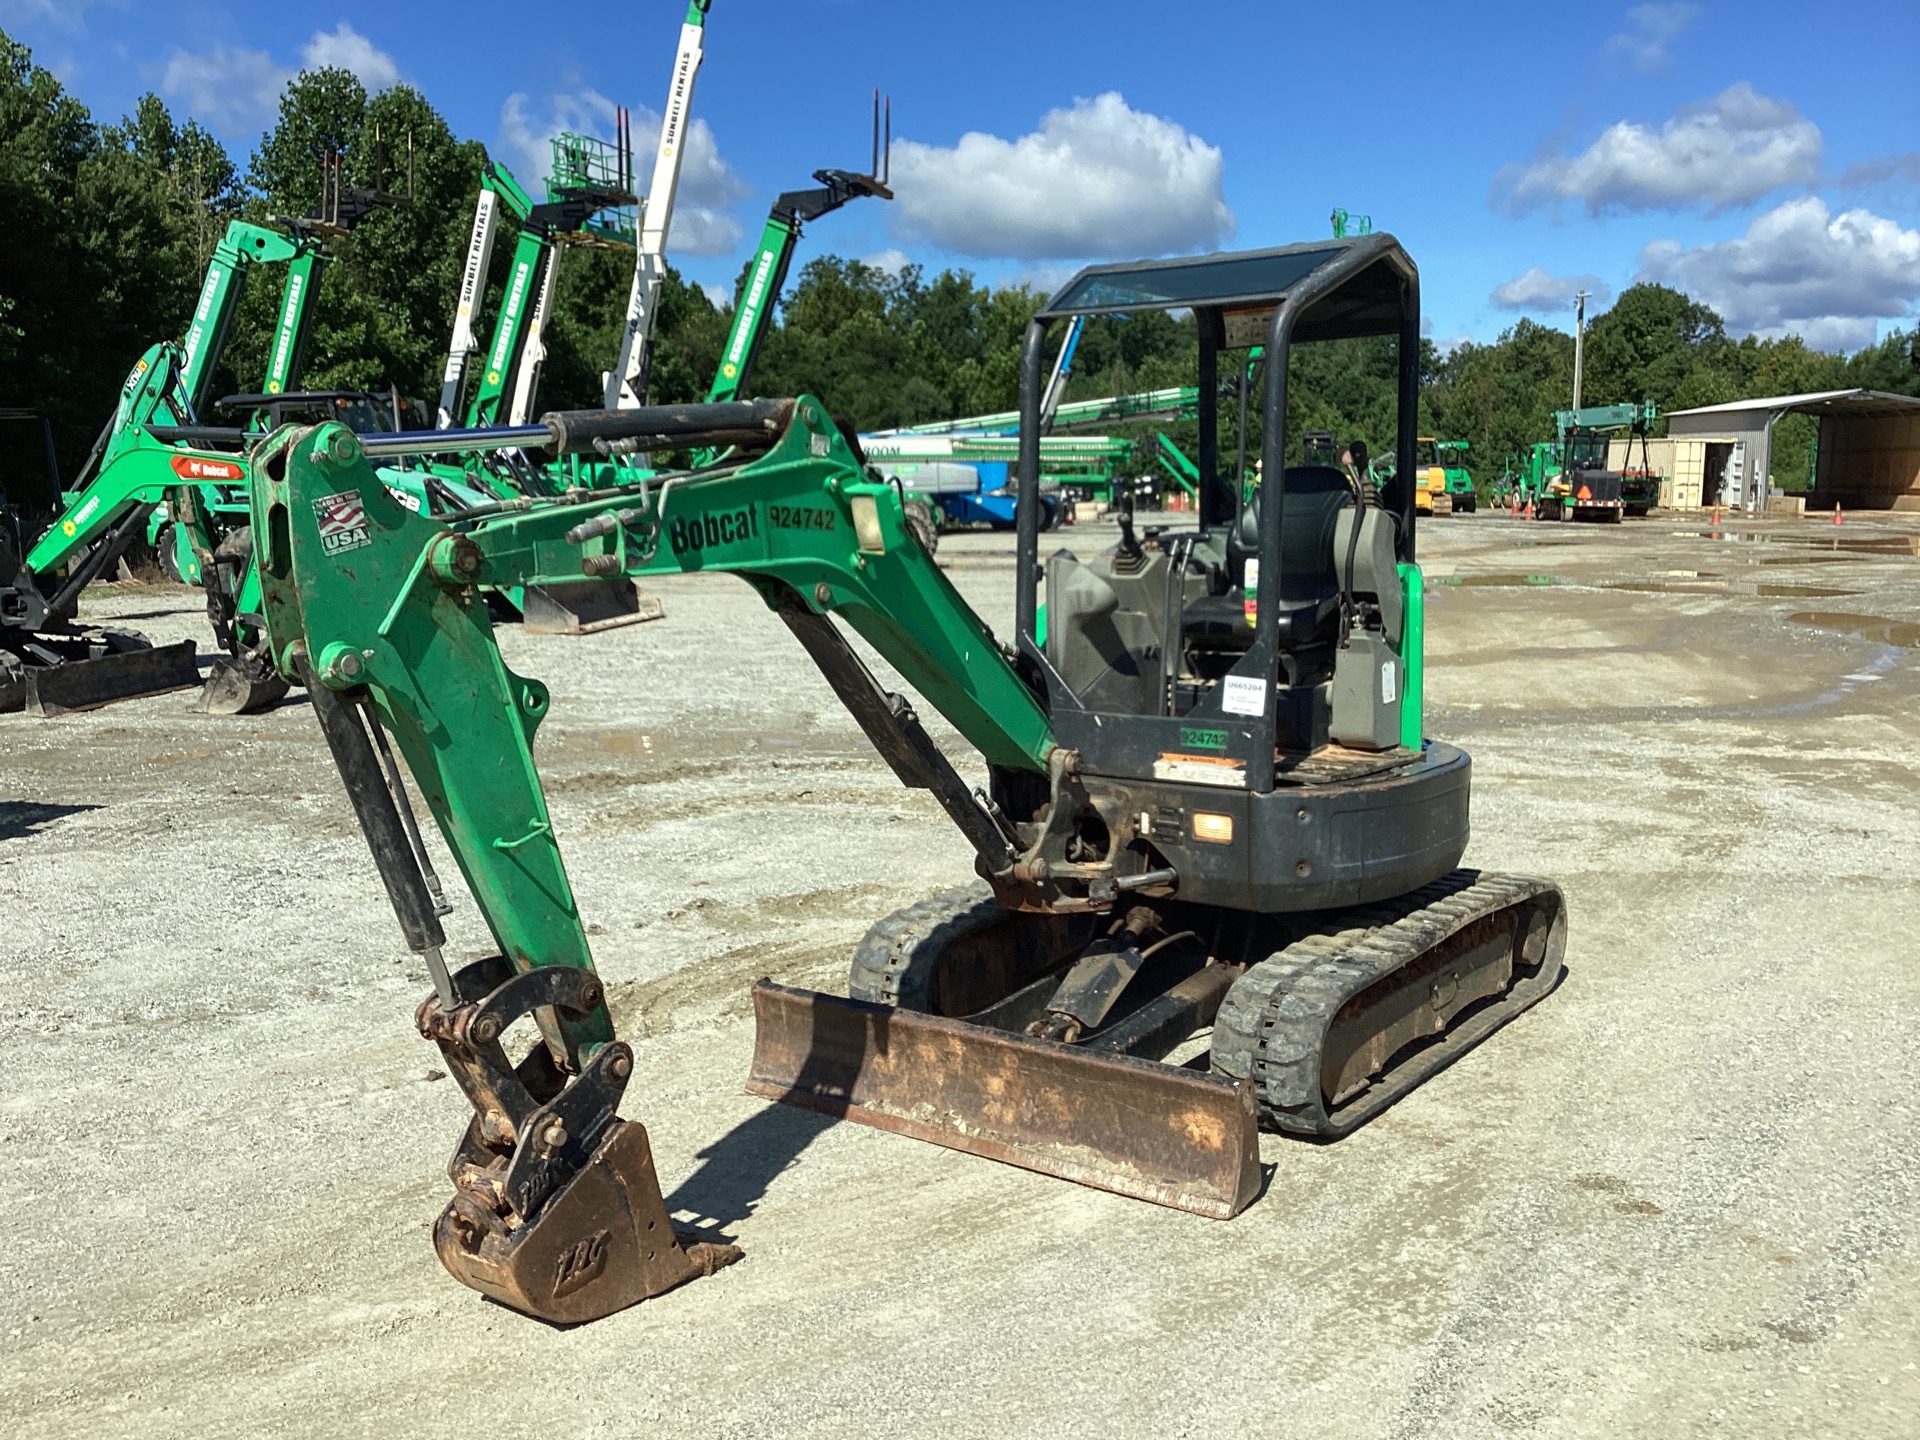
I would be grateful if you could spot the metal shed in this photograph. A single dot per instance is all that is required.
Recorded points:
(1869, 455)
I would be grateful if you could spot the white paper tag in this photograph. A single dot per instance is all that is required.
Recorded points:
(1243, 696)
(1388, 686)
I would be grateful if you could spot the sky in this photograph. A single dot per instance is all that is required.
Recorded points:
(1762, 156)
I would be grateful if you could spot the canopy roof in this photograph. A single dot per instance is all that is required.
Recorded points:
(1816, 402)
(1362, 279)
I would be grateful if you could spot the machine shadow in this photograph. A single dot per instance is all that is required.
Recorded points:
(818, 1068)
(737, 1169)
(20, 818)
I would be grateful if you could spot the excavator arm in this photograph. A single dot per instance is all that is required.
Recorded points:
(379, 611)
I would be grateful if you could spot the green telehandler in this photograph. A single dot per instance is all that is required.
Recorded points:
(767, 272)
(1217, 858)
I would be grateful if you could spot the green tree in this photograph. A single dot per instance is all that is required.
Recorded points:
(97, 257)
(1656, 344)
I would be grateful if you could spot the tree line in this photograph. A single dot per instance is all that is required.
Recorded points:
(106, 229)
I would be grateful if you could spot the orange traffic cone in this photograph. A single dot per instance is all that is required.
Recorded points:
(1716, 517)
(1836, 512)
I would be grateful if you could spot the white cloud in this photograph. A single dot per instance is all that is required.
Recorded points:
(1650, 30)
(227, 90)
(709, 187)
(1446, 347)
(1537, 290)
(1802, 270)
(892, 260)
(67, 15)
(1886, 167)
(1098, 179)
(1727, 152)
(239, 89)
(720, 295)
(345, 48)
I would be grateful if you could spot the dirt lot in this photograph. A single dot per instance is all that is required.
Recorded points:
(1679, 1198)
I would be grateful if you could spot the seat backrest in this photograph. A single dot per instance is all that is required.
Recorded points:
(1315, 495)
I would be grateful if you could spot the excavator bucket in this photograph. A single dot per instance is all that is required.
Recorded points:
(240, 687)
(601, 1242)
(89, 683)
(557, 1209)
(1137, 1127)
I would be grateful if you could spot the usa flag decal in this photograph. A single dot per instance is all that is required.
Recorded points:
(342, 521)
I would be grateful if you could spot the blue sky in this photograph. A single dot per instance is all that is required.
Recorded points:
(1763, 156)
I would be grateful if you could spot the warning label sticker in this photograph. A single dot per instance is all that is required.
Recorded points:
(343, 522)
(1199, 769)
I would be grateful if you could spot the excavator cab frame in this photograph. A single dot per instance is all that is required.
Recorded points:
(1125, 683)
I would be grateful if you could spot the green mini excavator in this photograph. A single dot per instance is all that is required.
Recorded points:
(1217, 857)
(156, 448)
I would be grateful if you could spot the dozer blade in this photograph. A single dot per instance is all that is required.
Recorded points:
(89, 684)
(240, 687)
(586, 607)
(1136, 1127)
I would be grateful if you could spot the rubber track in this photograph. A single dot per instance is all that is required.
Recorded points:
(884, 971)
(1273, 1023)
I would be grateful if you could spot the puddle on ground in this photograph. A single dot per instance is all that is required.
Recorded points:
(1856, 545)
(1499, 580)
(1671, 587)
(1868, 627)
(1809, 592)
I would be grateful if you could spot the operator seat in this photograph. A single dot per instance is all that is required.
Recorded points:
(1309, 599)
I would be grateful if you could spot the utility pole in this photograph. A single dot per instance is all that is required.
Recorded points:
(1579, 343)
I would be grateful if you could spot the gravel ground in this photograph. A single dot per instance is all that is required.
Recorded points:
(1678, 1198)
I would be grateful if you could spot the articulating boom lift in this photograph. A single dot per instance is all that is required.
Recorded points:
(1212, 827)
(627, 381)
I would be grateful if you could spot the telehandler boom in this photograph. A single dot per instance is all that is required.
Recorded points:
(1216, 853)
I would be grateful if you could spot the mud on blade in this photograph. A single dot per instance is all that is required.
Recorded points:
(1135, 1127)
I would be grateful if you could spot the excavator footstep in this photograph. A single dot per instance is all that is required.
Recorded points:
(1137, 1127)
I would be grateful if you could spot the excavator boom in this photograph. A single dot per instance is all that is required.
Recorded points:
(379, 611)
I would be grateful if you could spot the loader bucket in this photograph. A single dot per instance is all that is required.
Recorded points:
(1136, 1127)
(88, 684)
